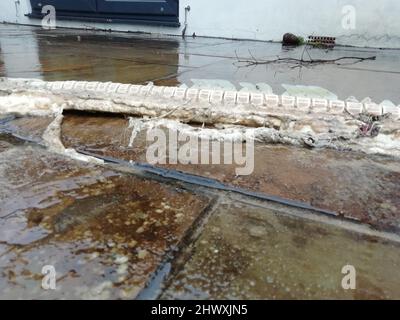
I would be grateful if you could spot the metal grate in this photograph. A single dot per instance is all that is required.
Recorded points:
(322, 41)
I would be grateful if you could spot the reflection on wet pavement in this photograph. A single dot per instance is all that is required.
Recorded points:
(126, 58)
(104, 232)
(248, 252)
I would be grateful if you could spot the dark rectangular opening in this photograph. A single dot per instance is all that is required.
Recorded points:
(156, 12)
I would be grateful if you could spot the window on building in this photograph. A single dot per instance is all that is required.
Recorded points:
(159, 12)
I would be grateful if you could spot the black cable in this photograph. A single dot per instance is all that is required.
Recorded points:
(206, 182)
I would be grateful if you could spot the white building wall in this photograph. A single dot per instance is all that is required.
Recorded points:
(377, 23)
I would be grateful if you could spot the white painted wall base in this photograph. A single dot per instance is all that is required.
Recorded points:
(377, 23)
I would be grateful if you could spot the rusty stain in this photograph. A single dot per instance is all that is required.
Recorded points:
(353, 185)
(117, 228)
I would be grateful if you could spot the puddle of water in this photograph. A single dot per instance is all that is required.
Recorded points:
(104, 232)
(126, 58)
(100, 57)
(101, 133)
(107, 233)
(248, 252)
(32, 178)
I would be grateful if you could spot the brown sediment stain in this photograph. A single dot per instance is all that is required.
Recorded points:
(103, 134)
(105, 232)
(81, 211)
(352, 185)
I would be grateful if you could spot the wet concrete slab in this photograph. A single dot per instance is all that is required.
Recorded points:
(30, 128)
(105, 232)
(131, 58)
(248, 252)
(7, 141)
(350, 184)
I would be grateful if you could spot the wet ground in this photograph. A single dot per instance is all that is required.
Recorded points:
(114, 231)
(248, 252)
(352, 185)
(107, 230)
(128, 58)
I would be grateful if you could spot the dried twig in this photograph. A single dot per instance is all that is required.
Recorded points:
(295, 63)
